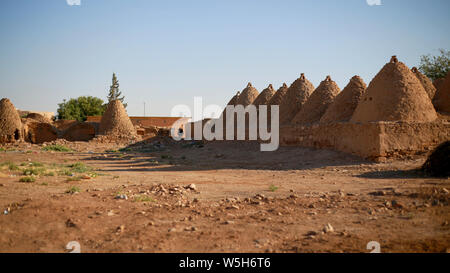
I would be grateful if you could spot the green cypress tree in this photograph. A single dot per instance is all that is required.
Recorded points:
(114, 92)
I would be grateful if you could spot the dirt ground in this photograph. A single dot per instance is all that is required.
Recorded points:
(242, 200)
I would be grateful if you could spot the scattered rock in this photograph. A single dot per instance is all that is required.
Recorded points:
(70, 223)
(377, 193)
(120, 228)
(122, 196)
(328, 228)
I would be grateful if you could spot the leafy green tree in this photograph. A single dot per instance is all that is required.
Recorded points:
(80, 108)
(435, 67)
(114, 92)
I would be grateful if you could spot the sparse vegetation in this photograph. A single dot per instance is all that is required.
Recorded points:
(75, 178)
(435, 67)
(27, 179)
(57, 148)
(143, 198)
(34, 171)
(79, 167)
(273, 188)
(73, 189)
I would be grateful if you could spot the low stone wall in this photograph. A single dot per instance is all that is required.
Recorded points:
(375, 141)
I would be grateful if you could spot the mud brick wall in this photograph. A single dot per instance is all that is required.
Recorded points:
(398, 139)
(374, 141)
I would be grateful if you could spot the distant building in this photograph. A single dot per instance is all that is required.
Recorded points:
(49, 115)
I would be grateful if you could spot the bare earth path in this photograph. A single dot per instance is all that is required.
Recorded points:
(243, 201)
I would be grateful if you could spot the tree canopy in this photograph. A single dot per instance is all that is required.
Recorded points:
(435, 67)
(80, 108)
(114, 92)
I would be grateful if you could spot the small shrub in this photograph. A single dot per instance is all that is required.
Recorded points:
(13, 167)
(143, 198)
(33, 171)
(27, 179)
(79, 167)
(74, 178)
(273, 188)
(73, 190)
(56, 148)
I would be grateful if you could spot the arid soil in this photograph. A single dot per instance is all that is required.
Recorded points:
(241, 200)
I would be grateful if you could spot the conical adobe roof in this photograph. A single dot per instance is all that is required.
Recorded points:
(442, 98)
(277, 98)
(265, 96)
(115, 121)
(425, 81)
(248, 95)
(318, 102)
(395, 94)
(234, 99)
(297, 94)
(10, 122)
(341, 110)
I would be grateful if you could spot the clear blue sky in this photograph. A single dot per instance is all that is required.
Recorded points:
(167, 52)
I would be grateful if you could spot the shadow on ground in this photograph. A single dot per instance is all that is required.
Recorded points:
(156, 155)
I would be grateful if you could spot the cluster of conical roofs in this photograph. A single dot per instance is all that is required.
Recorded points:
(396, 93)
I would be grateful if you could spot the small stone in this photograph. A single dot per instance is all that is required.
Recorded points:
(328, 228)
(229, 222)
(120, 229)
(311, 233)
(191, 187)
(172, 230)
(70, 223)
(377, 193)
(122, 196)
(395, 204)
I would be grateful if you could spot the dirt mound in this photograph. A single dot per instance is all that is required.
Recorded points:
(395, 94)
(425, 81)
(11, 128)
(442, 98)
(438, 163)
(345, 102)
(80, 131)
(115, 121)
(38, 117)
(318, 102)
(40, 132)
(296, 96)
(248, 95)
(265, 96)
